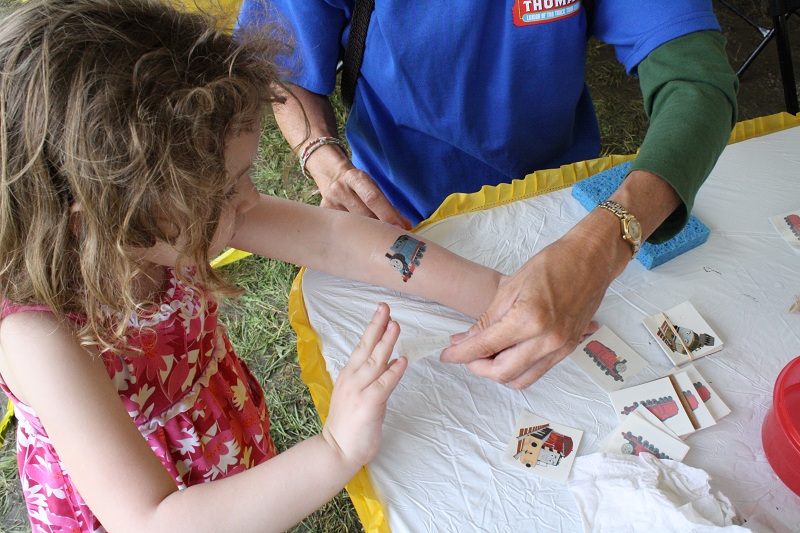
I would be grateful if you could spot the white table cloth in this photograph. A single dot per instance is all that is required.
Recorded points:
(440, 467)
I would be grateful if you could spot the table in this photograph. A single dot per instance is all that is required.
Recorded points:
(440, 467)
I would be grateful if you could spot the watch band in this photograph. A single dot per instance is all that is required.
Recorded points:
(631, 228)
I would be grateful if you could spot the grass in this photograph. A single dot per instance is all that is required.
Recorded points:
(259, 327)
(258, 322)
(617, 101)
(13, 516)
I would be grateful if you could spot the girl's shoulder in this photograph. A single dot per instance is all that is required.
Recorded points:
(32, 338)
(34, 312)
(8, 308)
(24, 321)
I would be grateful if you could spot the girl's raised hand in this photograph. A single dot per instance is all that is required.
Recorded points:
(358, 403)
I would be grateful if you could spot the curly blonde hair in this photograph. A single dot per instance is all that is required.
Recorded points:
(121, 108)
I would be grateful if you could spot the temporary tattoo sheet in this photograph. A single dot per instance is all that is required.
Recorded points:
(646, 417)
(644, 413)
(788, 225)
(710, 398)
(635, 436)
(660, 398)
(405, 255)
(683, 334)
(694, 405)
(415, 348)
(607, 360)
(542, 447)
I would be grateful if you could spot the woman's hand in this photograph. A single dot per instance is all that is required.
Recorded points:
(348, 188)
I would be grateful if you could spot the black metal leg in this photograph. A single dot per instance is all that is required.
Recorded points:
(763, 44)
(761, 29)
(785, 62)
(766, 36)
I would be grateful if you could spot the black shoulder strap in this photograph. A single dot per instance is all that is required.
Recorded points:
(354, 53)
(588, 7)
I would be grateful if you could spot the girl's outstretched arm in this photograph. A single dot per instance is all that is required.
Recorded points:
(364, 249)
(123, 481)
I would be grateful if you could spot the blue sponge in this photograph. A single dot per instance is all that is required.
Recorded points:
(593, 190)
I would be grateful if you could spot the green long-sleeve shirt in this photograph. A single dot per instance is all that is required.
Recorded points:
(689, 91)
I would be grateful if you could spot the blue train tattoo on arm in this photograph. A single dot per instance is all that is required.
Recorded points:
(405, 256)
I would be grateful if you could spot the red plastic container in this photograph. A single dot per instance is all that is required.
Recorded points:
(780, 433)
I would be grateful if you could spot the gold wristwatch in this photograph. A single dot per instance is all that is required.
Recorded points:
(631, 228)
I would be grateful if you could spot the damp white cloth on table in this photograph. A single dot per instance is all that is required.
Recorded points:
(622, 493)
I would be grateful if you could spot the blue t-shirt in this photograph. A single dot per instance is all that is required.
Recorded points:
(457, 95)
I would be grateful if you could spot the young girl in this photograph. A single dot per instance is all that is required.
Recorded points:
(127, 136)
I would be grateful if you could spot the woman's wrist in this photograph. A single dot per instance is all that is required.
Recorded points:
(313, 146)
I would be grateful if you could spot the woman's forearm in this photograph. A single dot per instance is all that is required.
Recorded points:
(306, 116)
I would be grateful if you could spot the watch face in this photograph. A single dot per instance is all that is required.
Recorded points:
(635, 230)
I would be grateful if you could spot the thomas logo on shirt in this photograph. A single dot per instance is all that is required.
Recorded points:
(527, 12)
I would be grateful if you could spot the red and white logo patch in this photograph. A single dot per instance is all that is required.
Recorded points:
(527, 12)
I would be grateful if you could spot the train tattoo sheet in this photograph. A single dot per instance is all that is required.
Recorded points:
(416, 348)
(716, 406)
(607, 360)
(695, 404)
(635, 436)
(683, 334)
(660, 398)
(788, 225)
(644, 413)
(542, 447)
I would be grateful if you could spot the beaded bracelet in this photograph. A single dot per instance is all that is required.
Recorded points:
(313, 146)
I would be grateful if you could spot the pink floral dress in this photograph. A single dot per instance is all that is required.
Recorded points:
(192, 398)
